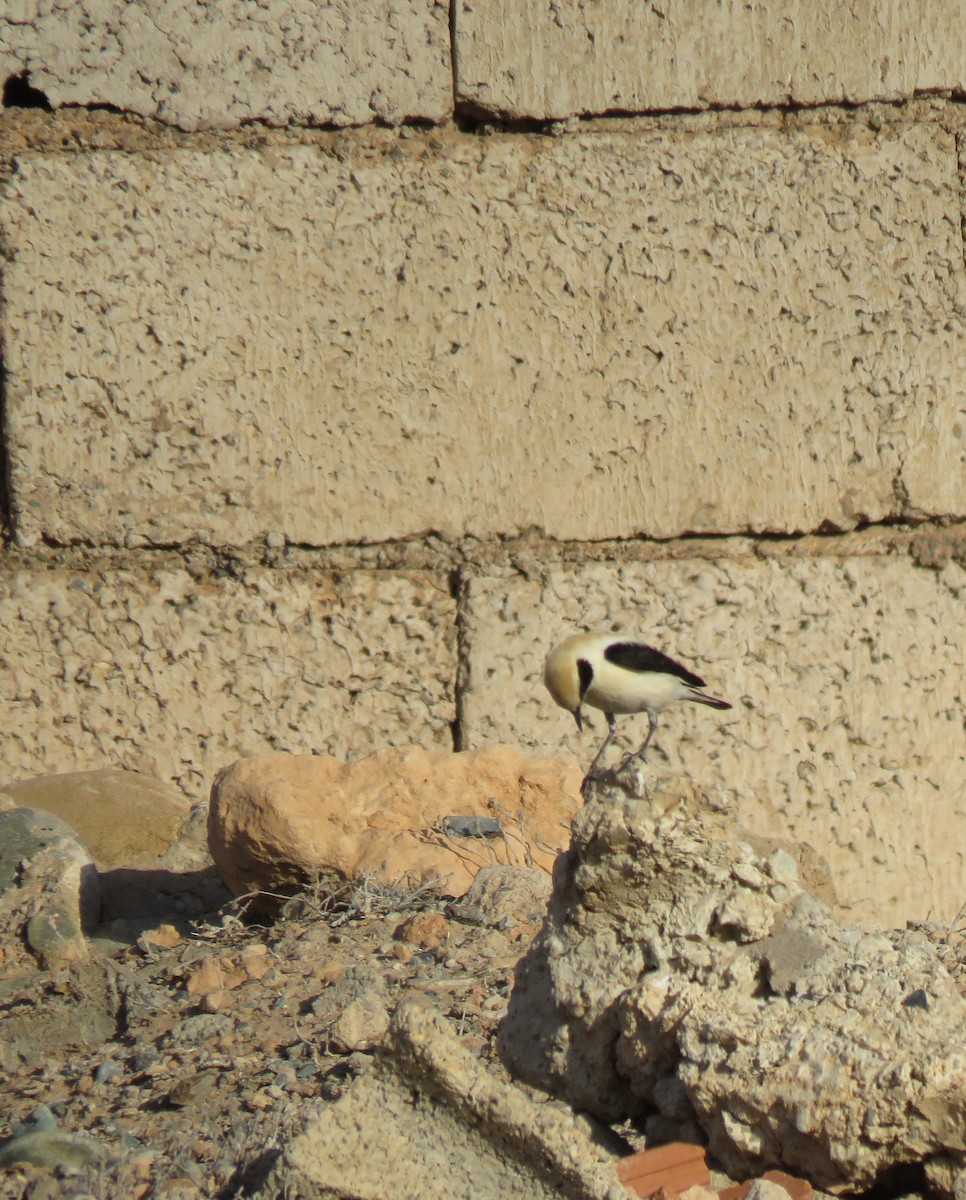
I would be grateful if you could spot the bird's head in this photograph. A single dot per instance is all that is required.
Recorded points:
(567, 677)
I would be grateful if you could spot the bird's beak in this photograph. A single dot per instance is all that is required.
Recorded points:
(579, 719)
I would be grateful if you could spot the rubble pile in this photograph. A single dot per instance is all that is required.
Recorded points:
(685, 971)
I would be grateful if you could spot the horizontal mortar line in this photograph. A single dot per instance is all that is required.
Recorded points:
(470, 554)
(475, 113)
(471, 121)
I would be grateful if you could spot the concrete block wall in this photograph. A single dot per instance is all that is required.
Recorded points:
(353, 354)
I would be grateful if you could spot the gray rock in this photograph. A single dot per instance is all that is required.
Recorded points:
(670, 972)
(107, 1071)
(49, 891)
(765, 1189)
(52, 1149)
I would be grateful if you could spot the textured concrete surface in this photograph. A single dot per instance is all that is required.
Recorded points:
(217, 66)
(600, 335)
(175, 677)
(847, 679)
(596, 56)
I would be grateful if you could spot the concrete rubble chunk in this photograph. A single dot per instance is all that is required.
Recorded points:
(792, 1043)
(49, 892)
(431, 1120)
(621, 57)
(779, 313)
(277, 822)
(219, 66)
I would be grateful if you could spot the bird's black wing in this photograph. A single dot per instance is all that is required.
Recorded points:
(635, 656)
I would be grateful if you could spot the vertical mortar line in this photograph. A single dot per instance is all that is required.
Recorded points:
(452, 51)
(960, 137)
(457, 586)
(6, 490)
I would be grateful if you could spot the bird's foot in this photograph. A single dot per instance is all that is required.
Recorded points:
(594, 777)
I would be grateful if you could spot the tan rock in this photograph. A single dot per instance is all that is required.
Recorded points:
(329, 972)
(360, 1025)
(634, 995)
(276, 822)
(123, 817)
(255, 961)
(433, 1120)
(164, 937)
(207, 977)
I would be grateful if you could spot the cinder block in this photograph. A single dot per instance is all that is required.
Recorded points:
(176, 676)
(600, 336)
(216, 66)
(846, 676)
(552, 61)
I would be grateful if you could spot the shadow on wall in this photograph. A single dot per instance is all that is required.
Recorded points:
(18, 93)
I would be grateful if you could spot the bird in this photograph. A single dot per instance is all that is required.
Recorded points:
(619, 674)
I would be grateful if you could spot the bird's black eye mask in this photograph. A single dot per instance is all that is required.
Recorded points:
(586, 674)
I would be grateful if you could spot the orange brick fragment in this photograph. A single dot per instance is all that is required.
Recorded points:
(674, 1167)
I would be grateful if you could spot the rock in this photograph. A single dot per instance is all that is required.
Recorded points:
(277, 822)
(52, 1149)
(678, 1168)
(427, 929)
(360, 1025)
(164, 937)
(764, 1189)
(123, 817)
(682, 966)
(49, 891)
(502, 896)
(431, 1120)
(354, 1009)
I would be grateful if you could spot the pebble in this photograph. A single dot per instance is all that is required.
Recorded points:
(144, 1058)
(107, 1071)
(329, 972)
(426, 929)
(41, 1120)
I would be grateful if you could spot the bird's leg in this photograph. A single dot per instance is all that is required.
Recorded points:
(651, 726)
(612, 729)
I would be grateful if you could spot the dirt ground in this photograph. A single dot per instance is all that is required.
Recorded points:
(193, 1053)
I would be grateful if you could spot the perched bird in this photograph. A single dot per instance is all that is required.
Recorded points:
(619, 675)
